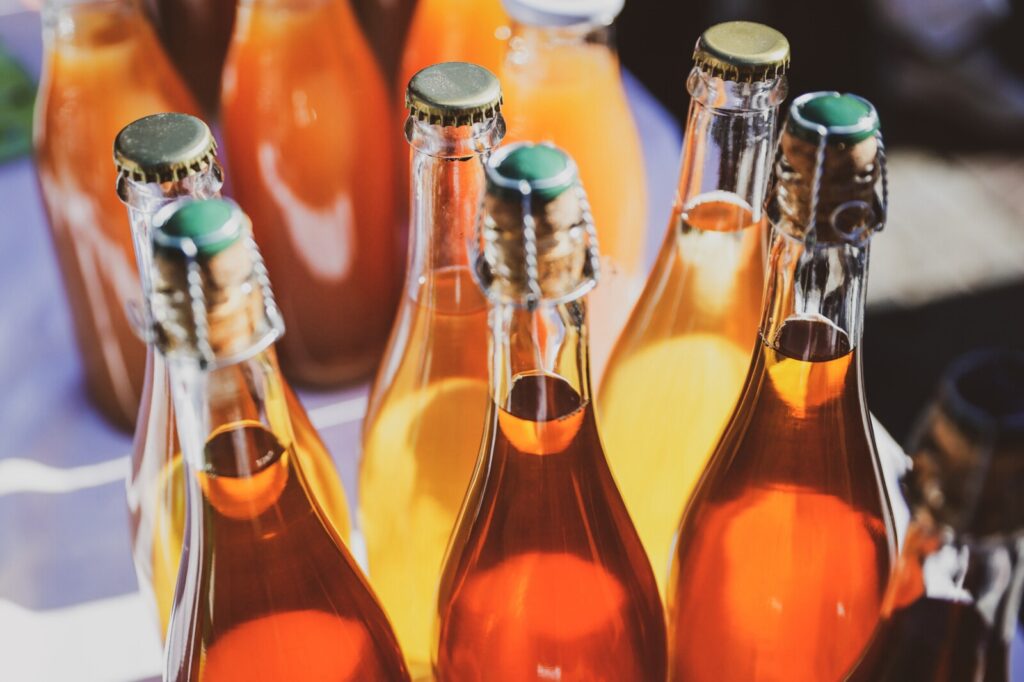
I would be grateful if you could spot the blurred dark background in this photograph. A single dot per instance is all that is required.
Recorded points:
(947, 77)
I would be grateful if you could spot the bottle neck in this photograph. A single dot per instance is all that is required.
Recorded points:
(549, 341)
(447, 187)
(529, 42)
(729, 142)
(145, 199)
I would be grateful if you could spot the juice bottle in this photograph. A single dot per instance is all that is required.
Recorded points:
(561, 61)
(103, 69)
(545, 577)
(312, 162)
(786, 546)
(161, 159)
(422, 430)
(267, 589)
(678, 368)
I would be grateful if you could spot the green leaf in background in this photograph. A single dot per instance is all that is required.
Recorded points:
(17, 93)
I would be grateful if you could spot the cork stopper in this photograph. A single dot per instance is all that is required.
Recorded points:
(212, 297)
(830, 163)
(968, 461)
(538, 238)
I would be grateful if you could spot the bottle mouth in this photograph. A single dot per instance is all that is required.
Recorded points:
(985, 389)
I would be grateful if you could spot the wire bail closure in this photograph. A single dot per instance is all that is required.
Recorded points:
(485, 275)
(194, 290)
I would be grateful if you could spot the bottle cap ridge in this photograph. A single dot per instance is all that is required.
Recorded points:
(200, 229)
(742, 51)
(546, 169)
(453, 94)
(563, 12)
(846, 118)
(163, 147)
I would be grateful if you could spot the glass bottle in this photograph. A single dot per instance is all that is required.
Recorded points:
(196, 34)
(677, 370)
(160, 159)
(951, 610)
(386, 23)
(267, 589)
(103, 68)
(561, 60)
(426, 413)
(545, 577)
(786, 545)
(303, 103)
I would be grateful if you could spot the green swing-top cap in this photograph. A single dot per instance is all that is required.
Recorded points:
(199, 229)
(453, 94)
(742, 51)
(847, 119)
(163, 147)
(544, 167)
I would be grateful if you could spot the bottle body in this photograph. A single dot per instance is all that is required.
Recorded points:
(422, 431)
(563, 84)
(268, 589)
(90, 89)
(545, 571)
(323, 209)
(677, 370)
(196, 34)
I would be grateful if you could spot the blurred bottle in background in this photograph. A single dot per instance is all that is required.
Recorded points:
(425, 419)
(267, 589)
(160, 159)
(103, 68)
(386, 24)
(562, 83)
(786, 546)
(677, 370)
(951, 610)
(195, 34)
(312, 162)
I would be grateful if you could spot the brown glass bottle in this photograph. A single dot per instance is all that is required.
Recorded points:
(785, 548)
(267, 589)
(951, 610)
(546, 576)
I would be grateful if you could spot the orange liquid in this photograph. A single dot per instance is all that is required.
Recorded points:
(196, 33)
(550, 95)
(422, 439)
(547, 578)
(679, 367)
(156, 489)
(303, 103)
(92, 86)
(277, 595)
(785, 549)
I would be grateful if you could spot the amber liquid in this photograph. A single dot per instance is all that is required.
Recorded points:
(785, 549)
(156, 490)
(547, 578)
(544, 98)
(93, 86)
(678, 369)
(277, 596)
(196, 34)
(312, 165)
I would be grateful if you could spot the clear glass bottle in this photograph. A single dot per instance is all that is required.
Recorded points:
(302, 105)
(677, 370)
(563, 84)
(951, 610)
(267, 589)
(422, 430)
(787, 543)
(160, 159)
(545, 577)
(103, 68)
